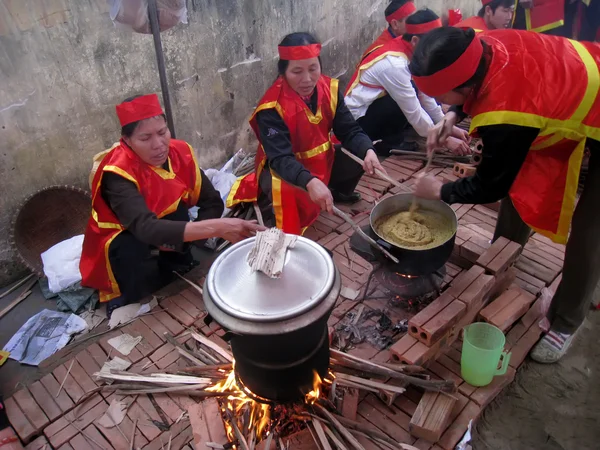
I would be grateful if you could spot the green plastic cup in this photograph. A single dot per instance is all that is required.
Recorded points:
(482, 353)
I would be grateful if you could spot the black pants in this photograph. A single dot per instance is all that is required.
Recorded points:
(137, 273)
(384, 121)
(345, 175)
(581, 269)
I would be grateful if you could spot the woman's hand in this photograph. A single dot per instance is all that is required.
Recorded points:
(428, 187)
(320, 194)
(371, 162)
(235, 230)
(437, 135)
(461, 134)
(457, 146)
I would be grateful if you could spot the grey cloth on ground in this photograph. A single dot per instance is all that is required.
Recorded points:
(74, 299)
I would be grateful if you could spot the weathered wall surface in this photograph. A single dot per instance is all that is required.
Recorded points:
(64, 66)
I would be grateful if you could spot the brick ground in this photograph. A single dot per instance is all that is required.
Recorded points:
(473, 274)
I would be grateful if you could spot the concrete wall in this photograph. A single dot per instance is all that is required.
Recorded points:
(64, 66)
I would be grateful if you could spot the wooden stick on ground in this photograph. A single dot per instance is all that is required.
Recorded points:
(379, 173)
(321, 434)
(338, 212)
(339, 444)
(343, 431)
(191, 283)
(133, 434)
(65, 378)
(213, 346)
(19, 283)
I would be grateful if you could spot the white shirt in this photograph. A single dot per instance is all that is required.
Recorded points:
(392, 74)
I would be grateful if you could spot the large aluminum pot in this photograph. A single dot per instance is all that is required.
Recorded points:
(416, 261)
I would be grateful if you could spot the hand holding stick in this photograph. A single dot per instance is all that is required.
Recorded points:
(378, 172)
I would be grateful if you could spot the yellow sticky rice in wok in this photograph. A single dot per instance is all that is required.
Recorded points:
(420, 230)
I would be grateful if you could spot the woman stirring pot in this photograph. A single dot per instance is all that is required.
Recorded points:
(297, 169)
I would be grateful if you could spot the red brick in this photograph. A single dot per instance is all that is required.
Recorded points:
(150, 341)
(432, 416)
(174, 310)
(445, 373)
(32, 410)
(89, 440)
(471, 251)
(459, 426)
(339, 239)
(63, 431)
(462, 210)
(157, 326)
(520, 350)
(515, 333)
(478, 291)
(41, 443)
(484, 218)
(419, 353)
(162, 441)
(97, 354)
(403, 345)
(540, 248)
(71, 387)
(437, 327)
(405, 404)
(529, 283)
(66, 446)
(513, 312)
(491, 253)
(427, 313)
(388, 425)
(88, 363)
(116, 438)
(537, 270)
(83, 379)
(171, 410)
(505, 258)
(63, 401)
(192, 295)
(483, 396)
(499, 304)
(534, 314)
(45, 400)
(463, 281)
(133, 356)
(350, 404)
(19, 421)
(313, 234)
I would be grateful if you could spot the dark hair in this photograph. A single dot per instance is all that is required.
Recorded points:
(441, 47)
(395, 5)
(292, 40)
(421, 16)
(128, 129)
(495, 4)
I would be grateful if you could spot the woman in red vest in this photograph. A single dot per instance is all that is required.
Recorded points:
(298, 170)
(141, 193)
(493, 15)
(534, 135)
(396, 14)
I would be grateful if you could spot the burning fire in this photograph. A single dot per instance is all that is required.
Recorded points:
(237, 402)
(240, 405)
(314, 395)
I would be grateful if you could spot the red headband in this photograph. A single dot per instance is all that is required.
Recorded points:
(486, 2)
(139, 108)
(422, 28)
(402, 13)
(455, 74)
(297, 52)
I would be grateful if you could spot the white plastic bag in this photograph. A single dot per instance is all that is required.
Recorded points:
(222, 181)
(61, 263)
(133, 14)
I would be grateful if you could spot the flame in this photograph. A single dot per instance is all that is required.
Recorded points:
(239, 400)
(314, 395)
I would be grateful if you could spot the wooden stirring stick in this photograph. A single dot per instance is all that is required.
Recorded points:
(378, 172)
(338, 212)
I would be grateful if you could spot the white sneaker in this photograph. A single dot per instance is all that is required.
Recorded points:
(552, 347)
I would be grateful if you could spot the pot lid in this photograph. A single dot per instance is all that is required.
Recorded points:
(307, 277)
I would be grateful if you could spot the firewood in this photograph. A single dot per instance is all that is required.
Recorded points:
(321, 434)
(370, 383)
(339, 427)
(212, 345)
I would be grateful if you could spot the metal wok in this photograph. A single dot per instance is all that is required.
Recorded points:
(416, 261)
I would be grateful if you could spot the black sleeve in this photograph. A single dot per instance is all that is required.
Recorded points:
(275, 139)
(210, 203)
(348, 131)
(130, 208)
(505, 148)
(458, 109)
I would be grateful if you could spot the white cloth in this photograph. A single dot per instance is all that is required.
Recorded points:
(61, 263)
(392, 74)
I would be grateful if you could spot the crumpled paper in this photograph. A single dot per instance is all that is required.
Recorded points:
(124, 343)
(268, 253)
(128, 312)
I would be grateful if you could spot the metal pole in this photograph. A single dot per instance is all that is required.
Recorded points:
(160, 60)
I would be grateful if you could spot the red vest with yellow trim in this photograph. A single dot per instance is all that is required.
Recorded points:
(162, 190)
(475, 22)
(383, 39)
(545, 15)
(395, 47)
(561, 99)
(311, 144)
